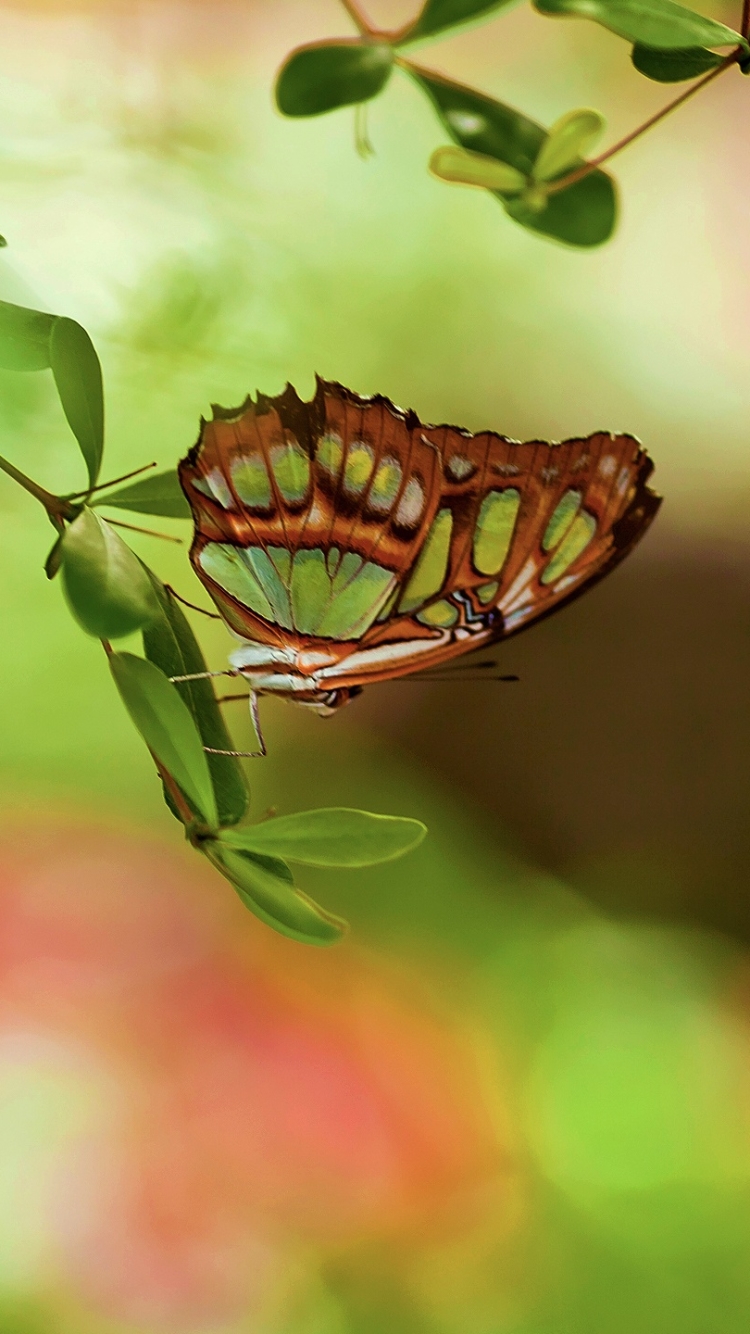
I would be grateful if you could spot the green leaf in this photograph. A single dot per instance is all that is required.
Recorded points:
(326, 75)
(268, 891)
(335, 836)
(24, 338)
(169, 642)
(460, 165)
(55, 558)
(437, 15)
(583, 215)
(160, 493)
(165, 723)
(107, 588)
(78, 377)
(673, 66)
(569, 140)
(657, 23)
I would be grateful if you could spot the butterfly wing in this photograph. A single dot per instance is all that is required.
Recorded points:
(345, 530)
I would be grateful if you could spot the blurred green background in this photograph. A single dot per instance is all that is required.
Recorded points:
(516, 1100)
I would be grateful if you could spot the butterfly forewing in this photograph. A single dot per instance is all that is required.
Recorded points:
(345, 526)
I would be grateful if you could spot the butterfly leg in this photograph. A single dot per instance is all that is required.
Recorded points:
(246, 754)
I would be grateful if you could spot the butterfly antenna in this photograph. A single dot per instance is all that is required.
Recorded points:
(149, 532)
(103, 485)
(213, 614)
(203, 676)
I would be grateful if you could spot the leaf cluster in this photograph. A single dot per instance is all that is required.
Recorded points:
(113, 594)
(540, 176)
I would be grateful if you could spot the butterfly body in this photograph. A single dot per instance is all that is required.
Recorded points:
(344, 542)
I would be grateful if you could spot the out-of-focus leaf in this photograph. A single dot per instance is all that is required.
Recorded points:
(437, 15)
(460, 165)
(165, 723)
(335, 836)
(55, 558)
(673, 66)
(268, 891)
(583, 215)
(569, 140)
(326, 75)
(159, 493)
(78, 377)
(169, 642)
(656, 23)
(24, 338)
(107, 588)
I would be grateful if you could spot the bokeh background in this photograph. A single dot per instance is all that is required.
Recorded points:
(517, 1099)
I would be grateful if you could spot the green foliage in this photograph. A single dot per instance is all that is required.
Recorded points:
(167, 726)
(266, 887)
(327, 75)
(675, 65)
(333, 837)
(463, 167)
(567, 143)
(582, 215)
(437, 15)
(170, 644)
(656, 23)
(78, 377)
(24, 338)
(160, 493)
(107, 588)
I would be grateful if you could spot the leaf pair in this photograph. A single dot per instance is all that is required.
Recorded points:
(568, 139)
(670, 42)
(31, 340)
(255, 860)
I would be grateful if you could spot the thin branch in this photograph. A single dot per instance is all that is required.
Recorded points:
(581, 172)
(214, 615)
(745, 24)
(76, 495)
(149, 532)
(55, 506)
(358, 18)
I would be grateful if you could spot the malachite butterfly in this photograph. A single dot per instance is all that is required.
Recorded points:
(345, 542)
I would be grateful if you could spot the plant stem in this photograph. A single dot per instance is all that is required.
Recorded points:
(54, 505)
(358, 18)
(581, 172)
(745, 24)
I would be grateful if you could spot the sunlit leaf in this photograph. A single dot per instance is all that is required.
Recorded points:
(327, 75)
(335, 836)
(24, 338)
(165, 723)
(78, 377)
(463, 167)
(169, 642)
(655, 23)
(569, 140)
(583, 215)
(269, 892)
(159, 493)
(437, 15)
(674, 66)
(107, 588)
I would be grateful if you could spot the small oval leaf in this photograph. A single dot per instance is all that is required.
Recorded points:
(327, 75)
(78, 377)
(159, 493)
(569, 140)
(437, 15)
(656, 23)
(269, 893)
(335, 836)
(583, 215)
(464, 167)
(673, 66)
(166, 726)
(24, 338)
(169, 642)
(107, 588)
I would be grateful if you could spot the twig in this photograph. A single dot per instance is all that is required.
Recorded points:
(581, 172)
(149, 532)
(358, 18)
(76, 495)
(56, 506)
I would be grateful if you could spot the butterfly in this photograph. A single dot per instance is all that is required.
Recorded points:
(345, 542)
